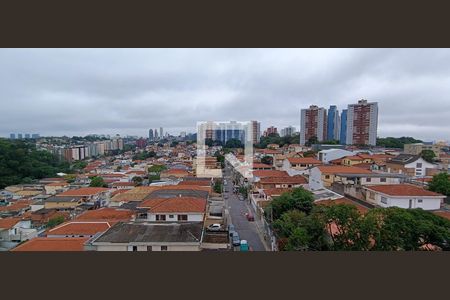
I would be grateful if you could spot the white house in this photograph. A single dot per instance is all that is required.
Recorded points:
(325, 156)
(176, 209)
(411, 165)
(299, 165)
(16, 230)
(149, 237)
(404, 196)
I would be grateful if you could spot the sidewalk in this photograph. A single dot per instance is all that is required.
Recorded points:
(259, 225)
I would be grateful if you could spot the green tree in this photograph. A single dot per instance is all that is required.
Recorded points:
(267, 160)
(311, 141)
(440, 184)
(55, 222)
(428, 155)
(234, 143)
(217, 186)
(97, 181)
(299, 199)
(137, 180)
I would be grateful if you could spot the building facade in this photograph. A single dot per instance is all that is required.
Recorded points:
(313, 123)
(362, 123)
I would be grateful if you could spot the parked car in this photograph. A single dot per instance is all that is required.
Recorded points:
(231, 228)
(243, 245)
(214, 227)
(235, 239)
(250, 217)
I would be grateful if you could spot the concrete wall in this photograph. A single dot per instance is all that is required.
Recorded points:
(191, 217)
(427, 203)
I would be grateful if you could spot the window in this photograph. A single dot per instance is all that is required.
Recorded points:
(383, 200)
(369, 179)
(327, 176)
(182, 217)
(382, 179)
(160, 217)
(170, 216)
(163, 248)
(134, 248)
(419, 165)
(149, 248)
(419, 200)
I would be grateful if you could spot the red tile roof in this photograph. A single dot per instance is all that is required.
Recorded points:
(52, 244)
(286, 180)
(261, 166)
(362, 209)
(196, 182)
(62, 183)
(79, 228)
(8, 223)
(106, 214)
(276, 191)
(442, 213)
(335, 169)
(403, 190)
(17, 205)
(123, 184)
(86, 191)
(176, 204)
(270, 173)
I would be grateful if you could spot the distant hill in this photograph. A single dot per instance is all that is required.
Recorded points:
(392, 142)
(20, 162)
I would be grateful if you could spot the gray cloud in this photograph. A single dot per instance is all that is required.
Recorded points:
(127, 91)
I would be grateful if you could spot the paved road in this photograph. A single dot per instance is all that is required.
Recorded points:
(237, 209)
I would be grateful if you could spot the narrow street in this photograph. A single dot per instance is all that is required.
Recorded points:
(237, 208)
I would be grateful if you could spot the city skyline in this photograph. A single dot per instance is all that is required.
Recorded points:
(178, 87)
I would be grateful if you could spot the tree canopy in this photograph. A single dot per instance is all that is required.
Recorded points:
(428, 155)
(97, 181)
(440, 184)
(301, 225)
(20, 162)
(392, 142)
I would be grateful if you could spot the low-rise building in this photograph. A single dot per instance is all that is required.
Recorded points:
(411, 165)
(176, 209)
(404, 196)
(149, 237)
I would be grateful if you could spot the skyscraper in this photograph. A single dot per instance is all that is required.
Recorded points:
(35, 135)
(256, 128)
(362, 123)
(150, 135)
(12, 136)
(313, 123)
(27, 135)
(333, 124)
(19, 136)
(156, 134)
(343, 135)
(270, 130)
(161, 135)
(288, 131)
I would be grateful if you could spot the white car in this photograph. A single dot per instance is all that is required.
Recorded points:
(214, 227)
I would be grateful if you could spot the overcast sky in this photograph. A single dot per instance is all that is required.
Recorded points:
(128, 91)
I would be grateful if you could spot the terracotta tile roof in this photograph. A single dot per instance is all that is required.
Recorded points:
(86, 191)
(123, 184)
(335, 169)
(293, 179)
(52, 244)
(175, 171)
(106, 214)
(17, 205)
(276, 191)
(403, 190)
(137, 172)
(270, 173)
(62, 183)
(8, 223)
(196, 182)
(118, 191)
(261, 165)
(304, 160)
(353, 157)
(362, 209)
(443, 213)
(176, 204)
(79, 228)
